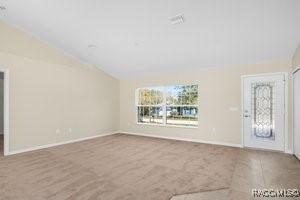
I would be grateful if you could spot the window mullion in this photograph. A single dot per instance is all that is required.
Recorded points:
(187, 112)
(164, 106)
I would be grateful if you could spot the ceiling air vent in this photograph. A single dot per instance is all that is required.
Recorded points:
(177, 19)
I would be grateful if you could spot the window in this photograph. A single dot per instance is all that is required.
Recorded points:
(150, 105)
(170, 105)
(182, 105)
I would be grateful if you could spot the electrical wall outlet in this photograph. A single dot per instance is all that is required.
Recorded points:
(234, 109)
(213, 130)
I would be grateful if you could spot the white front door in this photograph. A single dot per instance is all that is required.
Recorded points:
(264, 111)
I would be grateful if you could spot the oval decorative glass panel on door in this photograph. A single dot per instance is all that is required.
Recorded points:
(264, 111)
(263, 123)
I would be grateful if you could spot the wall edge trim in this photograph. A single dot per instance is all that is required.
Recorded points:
(185, 139)
(39, 147)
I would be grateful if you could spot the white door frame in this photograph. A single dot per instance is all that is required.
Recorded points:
(286, 89)
(6, 111)
(296, 69)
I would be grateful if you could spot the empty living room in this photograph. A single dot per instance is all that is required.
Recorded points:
(149, 99)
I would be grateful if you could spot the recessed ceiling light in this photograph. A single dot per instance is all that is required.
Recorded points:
(2, 8)
(92, 46)
(177, 19)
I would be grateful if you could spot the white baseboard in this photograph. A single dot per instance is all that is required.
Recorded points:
(131, 133)
(59, 143)
(185, 139)
(298, 156)
(288, 151)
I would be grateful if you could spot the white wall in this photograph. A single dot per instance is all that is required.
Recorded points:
(296, 64)
(297, 114)
(50, 91)
(296, 58)
(219, 89)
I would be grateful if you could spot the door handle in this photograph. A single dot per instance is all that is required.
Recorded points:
(247, 115)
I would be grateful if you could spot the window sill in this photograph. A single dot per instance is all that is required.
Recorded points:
(168, 126)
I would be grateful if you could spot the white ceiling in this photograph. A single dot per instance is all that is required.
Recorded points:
(135, 37)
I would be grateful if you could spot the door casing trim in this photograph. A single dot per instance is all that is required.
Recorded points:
(6, 110)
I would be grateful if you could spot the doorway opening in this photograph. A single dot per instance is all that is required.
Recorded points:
(1, 113)
(4, 112)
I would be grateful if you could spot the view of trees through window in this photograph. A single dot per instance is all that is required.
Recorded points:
(170, 105)
(150, 101)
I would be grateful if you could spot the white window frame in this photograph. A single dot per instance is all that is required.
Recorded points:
(164, 107)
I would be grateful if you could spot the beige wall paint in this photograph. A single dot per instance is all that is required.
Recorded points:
(296, 58)
(17, 42)
(50, 91)
(219, 89)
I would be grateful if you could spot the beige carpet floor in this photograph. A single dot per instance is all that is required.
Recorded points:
(256, 169)
(124, 167)
(117, 167)
(223, 194)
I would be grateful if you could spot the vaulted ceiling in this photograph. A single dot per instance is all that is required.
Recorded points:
(127, 38)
